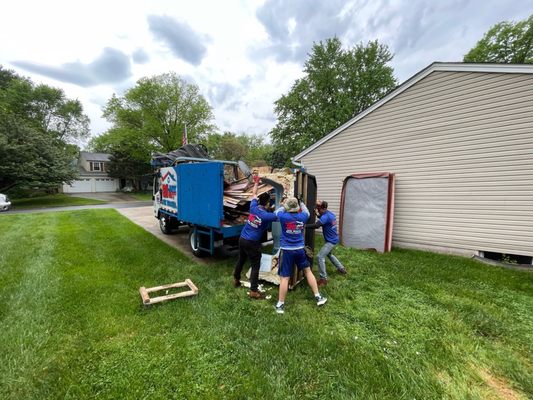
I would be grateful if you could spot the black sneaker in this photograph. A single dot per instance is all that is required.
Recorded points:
(342, 271)
(320, 300)
(280, 309)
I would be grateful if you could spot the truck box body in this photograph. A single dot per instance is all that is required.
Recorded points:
(194, 193)
(201, 193)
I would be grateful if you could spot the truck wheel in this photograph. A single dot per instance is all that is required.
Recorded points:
(194, 244)
(165, 224)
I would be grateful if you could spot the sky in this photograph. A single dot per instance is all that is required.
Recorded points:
(242, 54)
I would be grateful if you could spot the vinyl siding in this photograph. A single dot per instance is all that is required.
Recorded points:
(461, 146)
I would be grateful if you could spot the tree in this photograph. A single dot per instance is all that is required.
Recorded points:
(37, 127)
(338, 84)
(159, 108)
(57, 115)
(505, 42)
(234, 147)
(30, 159)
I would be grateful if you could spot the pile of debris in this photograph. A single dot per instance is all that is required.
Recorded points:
(284, 177)
(237, 195)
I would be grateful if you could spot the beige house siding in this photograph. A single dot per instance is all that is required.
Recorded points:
(461, 146)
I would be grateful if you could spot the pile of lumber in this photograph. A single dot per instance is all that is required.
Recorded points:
(237, 197)
(240, 193)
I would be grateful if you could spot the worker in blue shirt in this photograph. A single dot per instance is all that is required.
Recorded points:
(258, 222)
(292, 217)
(328, 222)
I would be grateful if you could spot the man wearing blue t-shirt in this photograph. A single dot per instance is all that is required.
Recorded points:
(250, 240)
(292, 217)
(328, 222)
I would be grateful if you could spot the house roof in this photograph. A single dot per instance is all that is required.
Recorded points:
(94, 156)
(436, 66)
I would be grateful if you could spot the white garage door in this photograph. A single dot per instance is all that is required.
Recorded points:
(106, 185)
(80, 186)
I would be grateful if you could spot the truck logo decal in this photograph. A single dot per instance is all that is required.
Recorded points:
(168, 187)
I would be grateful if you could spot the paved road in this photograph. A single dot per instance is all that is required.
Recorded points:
(129, 204)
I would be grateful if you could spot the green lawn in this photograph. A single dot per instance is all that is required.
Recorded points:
(404, 325)
(142, 196)
(56, 200)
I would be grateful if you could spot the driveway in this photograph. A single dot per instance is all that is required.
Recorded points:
(144, 217)
(111, 197)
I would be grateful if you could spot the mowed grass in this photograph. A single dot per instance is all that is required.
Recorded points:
(142, 196)
(404, 325)
(56, 200)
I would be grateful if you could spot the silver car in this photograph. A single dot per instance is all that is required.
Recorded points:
(5, 204)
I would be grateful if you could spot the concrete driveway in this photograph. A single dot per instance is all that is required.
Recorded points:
(111, 197)
(144, 217)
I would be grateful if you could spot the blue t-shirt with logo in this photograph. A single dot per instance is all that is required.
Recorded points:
(292, 228)
(329, 227)
(257, 223)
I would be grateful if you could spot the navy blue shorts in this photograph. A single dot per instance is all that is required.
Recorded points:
(289, 258)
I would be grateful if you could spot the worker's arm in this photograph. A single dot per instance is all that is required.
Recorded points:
(256, 179)
(304, 209)
(316, 225)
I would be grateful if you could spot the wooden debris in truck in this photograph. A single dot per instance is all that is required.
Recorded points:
(237, 195)
(284, 177)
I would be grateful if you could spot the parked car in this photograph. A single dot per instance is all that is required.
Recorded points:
(5, 204)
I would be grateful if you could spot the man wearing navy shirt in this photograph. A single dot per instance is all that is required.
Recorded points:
(250, 240)
(328, 222)
(292, 217)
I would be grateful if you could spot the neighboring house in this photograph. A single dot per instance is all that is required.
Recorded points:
(93, 175)
(459, 138)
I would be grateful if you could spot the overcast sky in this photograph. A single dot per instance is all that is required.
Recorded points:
(243, 54)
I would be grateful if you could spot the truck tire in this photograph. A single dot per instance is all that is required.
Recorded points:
(193, 243)
(165, 224)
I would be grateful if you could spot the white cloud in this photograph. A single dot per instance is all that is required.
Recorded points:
(242, 54)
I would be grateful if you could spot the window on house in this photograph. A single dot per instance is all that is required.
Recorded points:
(96, 166)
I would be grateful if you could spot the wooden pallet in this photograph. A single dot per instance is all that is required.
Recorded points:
(145, 292)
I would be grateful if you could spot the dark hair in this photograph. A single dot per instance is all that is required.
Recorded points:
(264, 199)
(324, 204)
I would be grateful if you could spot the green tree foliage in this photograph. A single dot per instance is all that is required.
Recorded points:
(159, 108)
(233, 147)
(278, 158)
(37, 127)
(338, 84)
(29, 159)
(505, 42)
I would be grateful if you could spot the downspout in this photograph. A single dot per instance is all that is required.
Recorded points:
(298, 164)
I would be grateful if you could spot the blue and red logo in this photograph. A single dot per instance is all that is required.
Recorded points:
(294, 227)
(168, 186)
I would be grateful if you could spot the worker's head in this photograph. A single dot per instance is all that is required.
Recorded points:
(291, 205)
(264, 199)
(321, 206)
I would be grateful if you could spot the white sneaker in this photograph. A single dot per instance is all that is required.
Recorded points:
(320, 300)
(280, 309)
